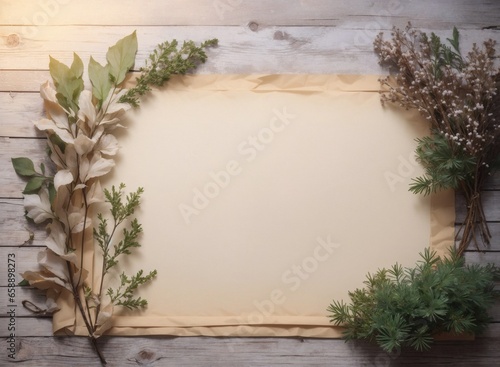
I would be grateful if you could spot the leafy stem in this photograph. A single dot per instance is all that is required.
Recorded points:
(120, 211)
(166, 60)
(78, 127)
(25, 167)
(124, 294)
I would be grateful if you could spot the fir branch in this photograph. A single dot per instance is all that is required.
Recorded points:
(407, 307)
(445, 167)
(124, 294)
(120, 211)
(123, 247)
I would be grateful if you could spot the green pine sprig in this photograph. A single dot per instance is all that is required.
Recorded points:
(443, 55)
(407, 307)
(446, 166)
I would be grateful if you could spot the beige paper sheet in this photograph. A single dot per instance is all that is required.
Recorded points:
(266, 197)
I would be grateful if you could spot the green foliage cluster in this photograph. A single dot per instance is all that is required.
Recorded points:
(166, 60)
(25, 168)
(445, 165)
(407, 307)
(68, 82)
(124, 294)
(120, 212)
(443, 55)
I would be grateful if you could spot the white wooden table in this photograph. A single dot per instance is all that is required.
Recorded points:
(279, 36)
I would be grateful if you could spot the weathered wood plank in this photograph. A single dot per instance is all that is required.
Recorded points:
(25, 259)
(22, 80)
(11, 186)
(493, 182)
(17, 113)
(236, 12)
(491, 205)
(15, 230)
(33, 295)
(204, 351)
(494, 312)
(495, 240)
(274, 49)
(26, 326)
(473, 257)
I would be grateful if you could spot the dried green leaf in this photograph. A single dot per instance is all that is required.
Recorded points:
(68, 81)
(34, 185)
(58, 71)
(99, 77)
(121, 57)
(57, 141)
(23, 283)
(24, 166)
(52, 192)
(76, 70)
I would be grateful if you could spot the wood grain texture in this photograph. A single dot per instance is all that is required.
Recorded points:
(442, 14)
(233, 352)
(17, 113)
(491, 204)
(272, 49)
(36, 296)
(27, 326)
(279, 36)
(15, 231)
(25, 259)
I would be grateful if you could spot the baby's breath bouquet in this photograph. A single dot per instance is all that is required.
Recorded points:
(79, 128)
(459, 97)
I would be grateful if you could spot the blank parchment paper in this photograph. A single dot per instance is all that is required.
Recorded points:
(266, 197)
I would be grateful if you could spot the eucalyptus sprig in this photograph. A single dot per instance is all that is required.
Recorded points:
(78, 126)
(407, 307)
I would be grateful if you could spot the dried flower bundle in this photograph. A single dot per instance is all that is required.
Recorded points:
(459, 97)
